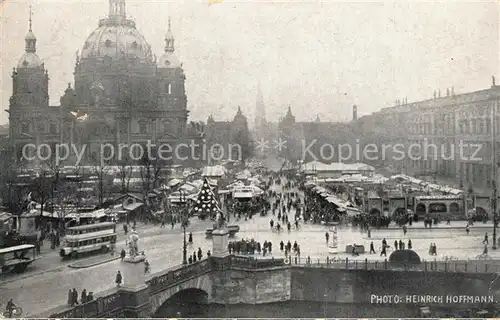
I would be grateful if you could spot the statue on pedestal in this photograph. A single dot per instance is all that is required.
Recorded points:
(221, 221)
(133, 249)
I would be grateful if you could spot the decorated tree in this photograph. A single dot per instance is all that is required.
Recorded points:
(206, 204)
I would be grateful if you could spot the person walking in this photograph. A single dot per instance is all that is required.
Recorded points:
(75, 297)
(372, 248)
(118, 279)
(83, 298)
(70, 298)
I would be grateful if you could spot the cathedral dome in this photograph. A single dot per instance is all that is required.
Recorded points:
(117, 37)
(29, 60)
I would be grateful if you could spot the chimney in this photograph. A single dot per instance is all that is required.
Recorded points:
(439, 93)
(493, 84)
(354, 113)
(447, 92)
(434, 94)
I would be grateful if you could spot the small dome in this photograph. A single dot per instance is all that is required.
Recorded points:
(169, 35)
(116, 41)
(30, 36)
(29, 60)
(169, 60)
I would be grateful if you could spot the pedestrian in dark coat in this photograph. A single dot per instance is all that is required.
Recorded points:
(123, 254)
(84, 296)
(118, 279)
(75, 296)
(70, 298)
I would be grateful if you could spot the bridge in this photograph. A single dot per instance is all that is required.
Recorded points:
(241, 279)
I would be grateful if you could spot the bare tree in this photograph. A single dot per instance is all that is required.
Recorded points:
(151, 178)
(101, 171)
(64, 201)
(42, 188)
(125, 173)
(14, 190)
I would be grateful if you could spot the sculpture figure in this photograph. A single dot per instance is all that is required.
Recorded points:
(132, 243)
(220, 220)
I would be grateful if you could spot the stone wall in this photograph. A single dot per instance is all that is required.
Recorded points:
(227, 281)
(357, 286)
(251, 287)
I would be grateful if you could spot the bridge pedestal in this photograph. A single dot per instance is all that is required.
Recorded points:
(134, 291)
(133, 274)
(220, 240)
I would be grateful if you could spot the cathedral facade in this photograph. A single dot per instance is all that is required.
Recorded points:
(122, 95)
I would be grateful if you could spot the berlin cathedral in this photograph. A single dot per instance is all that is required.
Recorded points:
(122, 93)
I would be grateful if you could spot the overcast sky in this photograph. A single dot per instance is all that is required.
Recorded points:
(320, 58)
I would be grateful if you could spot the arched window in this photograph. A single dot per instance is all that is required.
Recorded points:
(25, 127)
(143, 126)
(53, 128)
(40, 127)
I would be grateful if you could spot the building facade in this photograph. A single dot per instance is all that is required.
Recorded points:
(315, 140)
(454, 135)
(229, 140)
(122, 93)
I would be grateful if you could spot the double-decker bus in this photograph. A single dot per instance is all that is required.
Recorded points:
(96, 237)
(17, 258)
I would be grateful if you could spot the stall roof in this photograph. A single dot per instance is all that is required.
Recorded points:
(214, 171)
(133, 206)
(88, 215)
(4, 216)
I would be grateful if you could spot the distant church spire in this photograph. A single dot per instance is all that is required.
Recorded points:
(30, 38)
(169, 38)
(117, 8)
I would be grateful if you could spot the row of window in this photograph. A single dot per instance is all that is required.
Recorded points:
(465, 126)
(74, 244)
(89, 230)
(26, 127)
(143, 128)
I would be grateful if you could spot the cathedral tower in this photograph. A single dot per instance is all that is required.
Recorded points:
(30, 98)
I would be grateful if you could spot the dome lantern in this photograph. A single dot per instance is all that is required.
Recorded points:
(169, 39)
(169, 59)
(30, 38)
(117, 8)
(30, 59)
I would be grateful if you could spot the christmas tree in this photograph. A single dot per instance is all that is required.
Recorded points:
(206, 204)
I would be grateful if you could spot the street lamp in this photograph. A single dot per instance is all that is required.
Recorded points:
(185, 221)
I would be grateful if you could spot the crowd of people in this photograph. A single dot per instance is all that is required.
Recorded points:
(84, 297)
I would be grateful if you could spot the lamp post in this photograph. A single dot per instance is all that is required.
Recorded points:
(182, 200)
